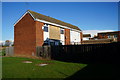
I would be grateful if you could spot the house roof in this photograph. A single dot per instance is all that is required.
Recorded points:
(86, 35)
(112, 33)
(53, 20)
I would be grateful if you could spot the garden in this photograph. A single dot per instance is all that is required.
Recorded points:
(16, 67)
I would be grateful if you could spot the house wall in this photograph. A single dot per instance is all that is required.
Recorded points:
(86, 38)
(46, 34)
(39, 33)
(100, 36)
(25, 36)
(62, 38)
(112, 34)
(67, 36)
(81, 36)
(54, 32)
(74, 36)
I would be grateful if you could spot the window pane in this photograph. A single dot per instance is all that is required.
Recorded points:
(62, 31)
(108, 36)
(45, 29)
(115, 36)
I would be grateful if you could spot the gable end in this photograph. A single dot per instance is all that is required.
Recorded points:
(24, 16)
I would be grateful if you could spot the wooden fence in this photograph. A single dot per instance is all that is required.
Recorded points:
(9, 51)
(81, 53)
(43, 51)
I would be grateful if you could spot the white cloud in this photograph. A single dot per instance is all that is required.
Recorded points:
(11, 40)
(2, 41)
(5, 40)
(94, 32)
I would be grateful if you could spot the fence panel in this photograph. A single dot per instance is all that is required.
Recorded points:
(81, 53)
(9, 51)
(88, 52)
(43, 51)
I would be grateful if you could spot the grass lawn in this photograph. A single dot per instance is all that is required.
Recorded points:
(0, 67)
(13, 67)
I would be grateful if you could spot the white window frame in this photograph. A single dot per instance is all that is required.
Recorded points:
(45, 25)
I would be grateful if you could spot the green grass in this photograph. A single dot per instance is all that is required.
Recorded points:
(14, 68)
(0, 67)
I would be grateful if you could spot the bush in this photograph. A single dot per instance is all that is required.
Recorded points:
(2, 52)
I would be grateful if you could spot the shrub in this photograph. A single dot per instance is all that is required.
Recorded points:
(2, 52)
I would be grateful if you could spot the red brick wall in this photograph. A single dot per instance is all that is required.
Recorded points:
(99, 36)
(81, 36)
(106, 35)
(25, 36)
(39, 34)
(102, 37)
(67, 36)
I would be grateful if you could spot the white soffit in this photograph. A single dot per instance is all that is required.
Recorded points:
(56, 24)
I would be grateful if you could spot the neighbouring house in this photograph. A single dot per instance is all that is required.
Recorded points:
(95, 37)
(103, 37)
(8, 43)
(114, 36)
(34, 29)
(86, 36)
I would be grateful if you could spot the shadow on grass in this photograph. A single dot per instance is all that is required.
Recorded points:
(102, 63)
(97, 71)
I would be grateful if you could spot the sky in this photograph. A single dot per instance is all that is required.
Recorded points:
(87, 16)
(60, 0)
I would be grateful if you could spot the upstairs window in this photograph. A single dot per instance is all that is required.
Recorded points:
(46, 27)
(103, 35)
(109, 36)
(61, 31)
(115, 36)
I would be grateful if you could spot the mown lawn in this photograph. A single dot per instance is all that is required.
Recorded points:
(13, 67)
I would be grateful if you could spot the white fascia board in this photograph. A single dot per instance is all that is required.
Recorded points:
(31, 15)
(75, 30)
(20, 18)
(23, 16)
(52, 23)
(56, 24)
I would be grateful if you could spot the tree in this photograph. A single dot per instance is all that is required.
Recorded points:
(8, 43)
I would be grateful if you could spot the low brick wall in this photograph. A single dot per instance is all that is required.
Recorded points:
(97, 41)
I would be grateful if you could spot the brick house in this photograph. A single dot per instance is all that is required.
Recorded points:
(34, 29)
(86, 36)
(115, 35)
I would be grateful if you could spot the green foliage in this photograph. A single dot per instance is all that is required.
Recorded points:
(2, 52)
(12, 44)
(14, 68)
